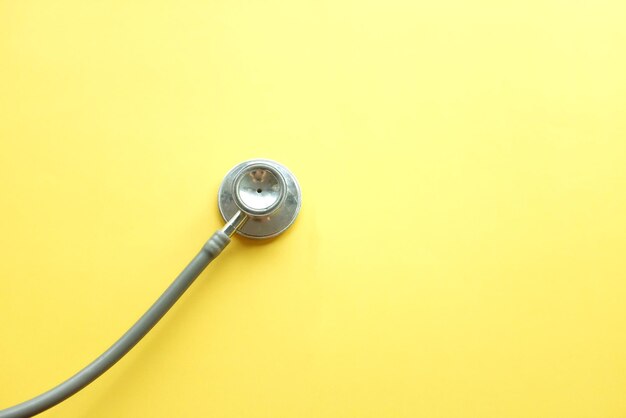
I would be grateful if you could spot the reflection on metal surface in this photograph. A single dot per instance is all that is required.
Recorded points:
(265, 191)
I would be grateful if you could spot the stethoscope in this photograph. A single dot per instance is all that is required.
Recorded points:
(257, 199)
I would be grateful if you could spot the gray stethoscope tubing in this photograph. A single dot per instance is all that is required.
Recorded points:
(258, 199)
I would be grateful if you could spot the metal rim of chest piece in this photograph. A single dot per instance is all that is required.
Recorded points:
(266, 191)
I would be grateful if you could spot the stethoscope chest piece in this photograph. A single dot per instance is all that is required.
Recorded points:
(266, 191)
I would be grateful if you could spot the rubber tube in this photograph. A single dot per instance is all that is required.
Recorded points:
(46, 400)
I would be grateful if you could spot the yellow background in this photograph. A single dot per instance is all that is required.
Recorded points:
(461, 250)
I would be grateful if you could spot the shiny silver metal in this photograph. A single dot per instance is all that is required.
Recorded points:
(259, 199)
(234, 223)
